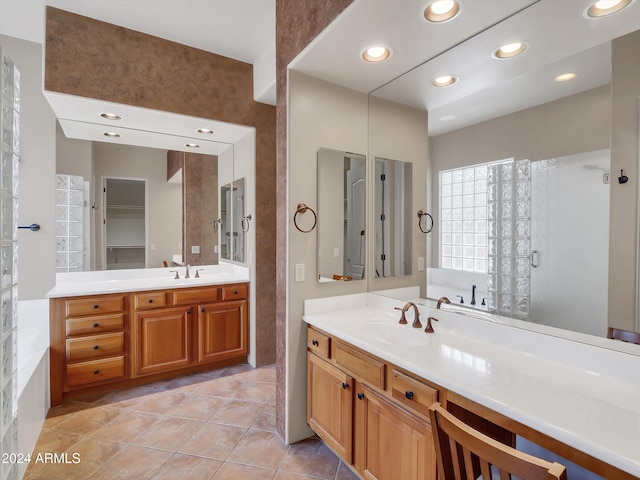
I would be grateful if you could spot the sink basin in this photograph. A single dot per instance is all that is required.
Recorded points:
(397, 334)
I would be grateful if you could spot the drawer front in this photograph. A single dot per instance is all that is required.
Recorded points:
(95, 305)
(146, 301)
(413, 393)
(105, 323)
(188, 296)
(95, 371)
(234, 292)
(365, 368)
(86, 348)
(318, 342)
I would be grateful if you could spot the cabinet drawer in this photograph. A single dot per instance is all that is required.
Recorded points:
(234, 292)
(95, 305)
(190, 296)
(145, 301)
(105, 323)
(362, 366)
(413, 393)
(95, 346)
(95, 371)
(318, 342)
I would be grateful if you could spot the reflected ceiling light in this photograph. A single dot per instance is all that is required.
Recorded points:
(442, 10)
(111, 134)
(444, 81)
(565, 77)
(603, 8)
(205, 130)
(447, 118)
(192, 145)
(111, 116)
(377, 53)
(510, 50)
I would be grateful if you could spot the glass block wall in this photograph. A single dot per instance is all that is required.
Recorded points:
(509, 239)
(10, 143)
(69, 223)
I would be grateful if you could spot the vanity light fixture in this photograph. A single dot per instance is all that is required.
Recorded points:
(445, 81)
(111, 116)
(565, 77)
(111, 134)
(603, 8)
(205, 131)
(439, 11)
(192, 145)
(376, 53)
(510, 50)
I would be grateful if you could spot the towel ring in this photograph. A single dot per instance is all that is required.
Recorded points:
(302, 208)
(245, 221)
(421, 215)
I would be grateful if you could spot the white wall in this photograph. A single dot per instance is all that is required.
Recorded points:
(164, 208)
(36, 250)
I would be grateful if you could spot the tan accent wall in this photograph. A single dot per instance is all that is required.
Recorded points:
(95, 59)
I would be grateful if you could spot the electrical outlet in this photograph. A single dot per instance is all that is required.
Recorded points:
(421, 264)
(299, 272)
(195, 249)
(336, 253)
(153, 246)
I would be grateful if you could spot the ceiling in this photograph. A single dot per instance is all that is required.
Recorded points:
(560, 37)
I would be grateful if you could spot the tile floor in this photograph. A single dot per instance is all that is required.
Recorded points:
(215, 425)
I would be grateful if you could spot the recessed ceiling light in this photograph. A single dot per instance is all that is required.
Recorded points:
(444, 81)
(376, 53)
(510, 50)
(111, 134)
(565, 77)
(447, 118)
(603, 8)
(111, 116)
(192, 145)
(205, 130)
(440, 11)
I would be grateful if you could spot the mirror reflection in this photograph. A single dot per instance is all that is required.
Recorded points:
(393, 204)
(341, 215)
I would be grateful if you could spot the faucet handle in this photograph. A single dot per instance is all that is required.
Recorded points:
(403, 319)
(429, 328)
(198, 270)
(461, 298)
(177, 277)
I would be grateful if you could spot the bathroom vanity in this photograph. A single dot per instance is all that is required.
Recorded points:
(117, 329)
(371, 380)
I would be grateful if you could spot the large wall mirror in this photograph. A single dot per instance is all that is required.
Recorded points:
(341, 216)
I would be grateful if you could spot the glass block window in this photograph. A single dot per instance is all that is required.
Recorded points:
(69, 223)
(463, 218)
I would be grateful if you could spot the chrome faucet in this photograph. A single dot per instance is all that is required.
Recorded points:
(416, 318)
(441, 301)
(473, 295)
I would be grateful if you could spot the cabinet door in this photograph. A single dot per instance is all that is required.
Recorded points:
(330, 405)
(390, 442)
(162, 340)
(222, 331)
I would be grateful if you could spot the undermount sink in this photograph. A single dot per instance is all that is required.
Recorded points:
(397, 334)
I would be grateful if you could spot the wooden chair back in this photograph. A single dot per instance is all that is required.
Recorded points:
(624, 335)
(460, 448)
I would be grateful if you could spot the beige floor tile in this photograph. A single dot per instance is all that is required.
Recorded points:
(37, 476)
(225, 387)
(62, 412)
(267, 419)
(213, 441)
(237, 412)
(88, 421)
(86, 456)
(280, 475)
(256, 391)
(127, 427)
(232, 471)
(196, 407)
(310, 457)
(265, 374)
(170, 433)
(187, 467)
(125, 397)
(159, 403)
(345, 473)
(139, 463)
(55, 441)
(259, 448)
(235, 369)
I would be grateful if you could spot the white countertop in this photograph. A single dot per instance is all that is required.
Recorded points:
(583, 395)
(135, 280)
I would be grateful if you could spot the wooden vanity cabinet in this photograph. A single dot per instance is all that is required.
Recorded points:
(102, 342)
(353, 405)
